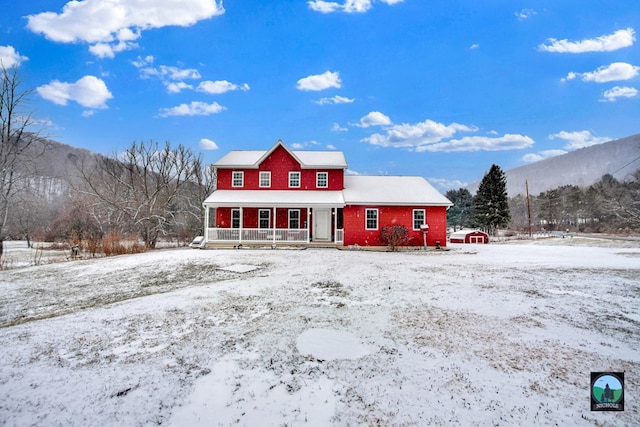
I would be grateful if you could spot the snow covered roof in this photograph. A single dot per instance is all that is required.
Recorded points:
(392, 191)
(463, 233)
(279, 198)
(307, 159)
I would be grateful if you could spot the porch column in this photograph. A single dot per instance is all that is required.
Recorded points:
(241, 225)
(206, 223)
(275, 222)
(308, 225)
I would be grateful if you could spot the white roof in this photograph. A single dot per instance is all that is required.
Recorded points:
(359, 190)
(279, 198)
(391, 191)
(307, 159)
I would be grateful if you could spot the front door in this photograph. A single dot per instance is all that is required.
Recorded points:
(322, 224)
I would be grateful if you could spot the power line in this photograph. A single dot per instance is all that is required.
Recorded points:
(634, 160)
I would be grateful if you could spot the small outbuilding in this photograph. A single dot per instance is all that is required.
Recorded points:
(469, 236)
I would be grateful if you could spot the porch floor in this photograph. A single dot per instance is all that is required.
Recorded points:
(255, 245)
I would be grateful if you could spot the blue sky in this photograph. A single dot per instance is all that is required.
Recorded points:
(440, 89)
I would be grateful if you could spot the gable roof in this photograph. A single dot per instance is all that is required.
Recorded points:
(251, 159)
(391, 191)
(464, 233)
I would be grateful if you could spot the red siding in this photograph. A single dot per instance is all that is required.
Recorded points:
(355, 228)
(280, 163)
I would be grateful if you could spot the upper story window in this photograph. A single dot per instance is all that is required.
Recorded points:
(418, 218)
(265, 179)
(371, 219)
(322, 179)
(237, 179)
(294, 179)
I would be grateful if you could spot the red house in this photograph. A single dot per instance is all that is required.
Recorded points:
(284, 197)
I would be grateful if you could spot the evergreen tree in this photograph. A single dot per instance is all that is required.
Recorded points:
(460, 214)
(491, 204)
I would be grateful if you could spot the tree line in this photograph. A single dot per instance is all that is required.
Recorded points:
(148, 192)
(609, 205)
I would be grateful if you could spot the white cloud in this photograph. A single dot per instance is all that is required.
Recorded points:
(374, 118)
(429, 135)
(525, 14)
(331, 147)
(616, 92)
(105, 50)
(349, 6)
(9, 57)
(536, 157)
(479, 143)
(164, 72)
(444, 184)
(474, 46)
(89, 91)
(196, 108)
(607, 73)
(317, 82)
(112, 26)
(578, 139)
(573, 141)
(337, 128)
(220, 86)
(612, 72)
(335, 100)
(177, 87)
(615, 41)
(207, 144)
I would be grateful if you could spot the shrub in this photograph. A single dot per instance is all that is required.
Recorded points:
(394, 236)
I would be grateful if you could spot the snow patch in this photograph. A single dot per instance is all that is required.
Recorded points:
(329, 344)
(240, 268)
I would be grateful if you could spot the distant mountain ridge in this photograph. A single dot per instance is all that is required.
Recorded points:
(582, 167)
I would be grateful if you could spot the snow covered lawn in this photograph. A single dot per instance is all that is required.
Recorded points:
(499, 334)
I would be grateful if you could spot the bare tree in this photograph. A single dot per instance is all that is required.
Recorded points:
(146, 187)
(17, 143)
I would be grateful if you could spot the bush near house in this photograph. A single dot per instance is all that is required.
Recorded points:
(394, 236)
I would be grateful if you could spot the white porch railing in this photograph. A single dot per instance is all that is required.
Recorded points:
(259, 235)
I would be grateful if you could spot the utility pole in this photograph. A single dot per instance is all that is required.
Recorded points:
(526, 185)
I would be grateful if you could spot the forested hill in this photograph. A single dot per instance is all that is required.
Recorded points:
(582, 167)
(52, 165)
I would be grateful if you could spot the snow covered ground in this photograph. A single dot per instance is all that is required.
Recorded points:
(499, 334)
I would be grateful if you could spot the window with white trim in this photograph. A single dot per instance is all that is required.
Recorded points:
(237, 179)
(322, 179)
(294, 179)
(265, 179)
(235, 218)
(371, 219)
(294, 218)
(264, 217)
(419, 218)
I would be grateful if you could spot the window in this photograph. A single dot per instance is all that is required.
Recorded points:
(372, 219)
(235, 218)
(294, 179)
(418, 218)
(264, 216)
(265, 179)
(322, 179)
(294, 218)
(237, 179)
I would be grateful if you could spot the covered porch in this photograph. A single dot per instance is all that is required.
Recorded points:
(298, 218)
